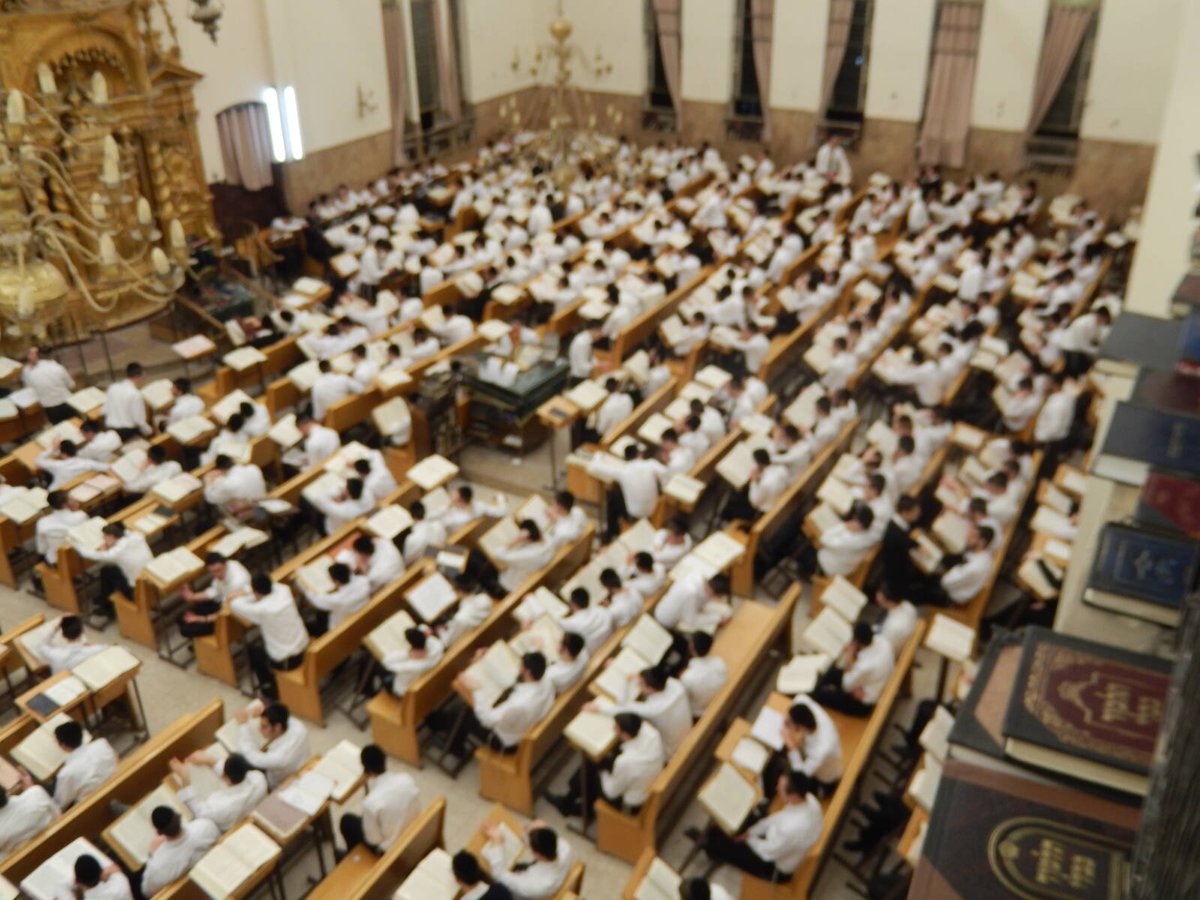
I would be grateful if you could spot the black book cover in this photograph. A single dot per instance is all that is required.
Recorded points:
(1169, 391)
(981, 715)
(1154, 436)
(42, 705)
(995, 835)
(1145, 564)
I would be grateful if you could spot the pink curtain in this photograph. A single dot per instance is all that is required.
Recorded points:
(447, 60)
(762, 26)
(246, 145)
(951, 80)
(1064, 36)
(840, 14)
(397, 64)
(666, 21)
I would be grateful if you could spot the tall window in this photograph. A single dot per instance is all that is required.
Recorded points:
(850, 84)
(1063, 118)
(425, 61)
(658, 97)
(747, 101)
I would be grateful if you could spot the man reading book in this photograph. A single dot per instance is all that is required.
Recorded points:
(229, 579)
(96, 882)
(25, 811)
(503, 723)
(536, 880)
(474, 881)
(623, 777)
(854, 685)
(392, 802)
(773, 846)
(66, 647)
(176, 847)
(811, 745)
(276, 742)
(86, 767)
(243, 788)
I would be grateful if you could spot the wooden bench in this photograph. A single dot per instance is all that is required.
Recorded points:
(742, 575)
(859, 737)
(396, 721)
(363, 875)
(742, 642)
(137, 775)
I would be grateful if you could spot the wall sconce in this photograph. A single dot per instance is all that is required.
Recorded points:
(366, 102)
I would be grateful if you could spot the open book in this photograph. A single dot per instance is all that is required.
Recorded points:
(244, 358)
(592, 732)
(719, 550)
(87, 535)
(129, 465)
(925, 553)
(950, 638)
(24, 505)
(285, 433)
(173, 490)
(55, 877)
(750, 756)
(649, 639)
(191, 429)
(432, 879)
(388, 522)
(801, 674)
(493, 673)
(729, 798)
(159, 394)
(844, 597)
(239, 539)
(836, 494)
(388, 636)
(39, 752)
(175, 566)
(685, 489)
(543, 636)
(587, 395)
(614, 678)
(314, 578)
(432, 472)
(951, 530)
(660, 882)
(828, 633)
(133, 831)
(194, 347)
(342, 766)
(224, 869)
(101, 670)
(391, 417)
(541, 602)
(432, 597)
(87, 400)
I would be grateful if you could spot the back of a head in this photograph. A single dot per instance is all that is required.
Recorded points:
(701, 643)
(695, 889)
(802, 717)
(467, 869)
(863, 635)
(235, 768)
(535, 664)
(277, 714)
(72, 627)
(261, 583)
(87, 870)
(374, 762)
(544, 842)
(629, 723)
(69, 734)
(166, 821)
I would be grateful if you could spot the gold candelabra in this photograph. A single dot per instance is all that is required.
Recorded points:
(66, 229)
(559, 124)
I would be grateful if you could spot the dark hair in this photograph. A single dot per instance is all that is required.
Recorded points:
(654, 677)
(261, 583)
(574, 643)
(362, 466)
(695, 889)
(544, 842)
(565, 499)
(72, 627)
(340, 572)
(644, 561)
(610, 579)
(157, 454)
(720, 584)
(89, 426)
(166, 821)
(987, 534)
(415, 637)
(56, 499)
(67, 448)
(467, 869)
(535, 664)
(277, 714)
(87, 870)
(222, 462)
(531, 528)
(69, 734)
(798, 784)
(701, 643)
(134, 370)
(236, 767)
(629, 723)
(374, 762)
(802, 717)
(863, 635)
(354, 487)
(364, 544)
(579, 598)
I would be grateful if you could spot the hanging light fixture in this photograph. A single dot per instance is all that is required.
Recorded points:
(207, 14)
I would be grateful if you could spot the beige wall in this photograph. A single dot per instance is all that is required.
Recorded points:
(706, 36)
(798, 55)
(1010, 44)
(492, 30)
(900, 37)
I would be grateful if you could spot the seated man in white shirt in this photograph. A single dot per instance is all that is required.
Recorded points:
(844, 546)
(242, 789)
(424, 652)
(502, 724)
(229, 578)
(66, 647)
(772, 847)
(703, 676)
(900, 618)
(98, 444)
(319, 443)
(379, 560)
(273, 740)
(811, 744)
(156, 469)
(25, 811)
(393, 801)
(176, 847)
(671, 543)
(86, 767)
(592, 622)
(768, 481)
(123, 556)
(540, 879)
(662, 700)
(272, 607)
(234, 488)
(351, 592)
(569, 663)
(624, 777)
(64, 464)
(422, 534)
(186, 403)
(95, 883)
(854, 685)
(331, 387)
(962, 581)
(51, 530)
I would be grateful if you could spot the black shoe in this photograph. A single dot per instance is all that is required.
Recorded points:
(694, 834)
(854, 846)
(564, 804)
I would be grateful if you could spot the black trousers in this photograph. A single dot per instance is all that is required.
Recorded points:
(351, 827)
(830, 694)
(264, 668)
(587, 776)
(739, 507)
(127, 433)
(615, 512)
(721, 848)
(59, 413)
(778, 765)
(200, 629)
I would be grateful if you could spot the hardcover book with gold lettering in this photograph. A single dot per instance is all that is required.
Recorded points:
(995, 836)
(1086, 710)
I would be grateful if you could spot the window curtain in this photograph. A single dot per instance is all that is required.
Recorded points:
(762, 26)
(447, 60)
(246, 145)
(951, 80)
(666, 21)
(1064, 36)
(841, 13)
(397, 65)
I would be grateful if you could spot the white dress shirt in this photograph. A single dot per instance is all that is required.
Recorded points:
(1055, 418)
(115, 887)
(593, 624)
(615, 409)
(229, 804)
(244, 482)
(406, 668)
(320, 444)
(131, 554)
(579, 355)
(682, 602)
(527, 704)
(331, 388)
(62, 655)
(152, 475)
(276, 616)
(639, 481)
(184, 407)
(63, 471)
(281, 757)
(84, 770)
(25, 815)
(422, 535)
(703, 679)
(345, 601)
(385, 566)
(898, 625)
(50, 381)
(871, 669)
(236, 581)
(51, 531)
(102, 448)
(125, 407)
(173, 858)
(539, 881)
(569, 528)
(637, 765)
(964, 581)
(392, 802)
(769, 487)
(784, 838)
(522, 561)
(842, 549)
(821, 755)
(562, 673)
(668, 710)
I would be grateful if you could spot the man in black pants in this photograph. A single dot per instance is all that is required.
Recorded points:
(623, 777)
